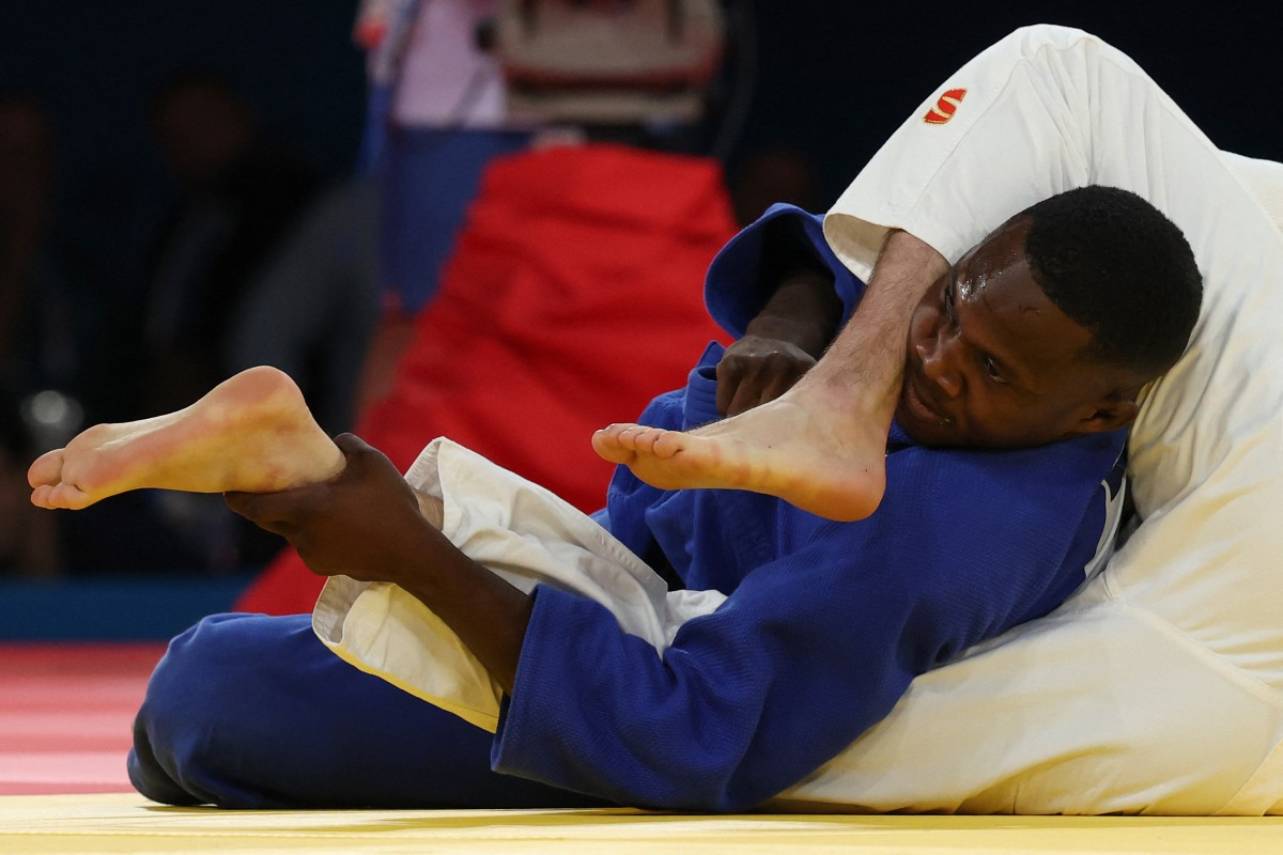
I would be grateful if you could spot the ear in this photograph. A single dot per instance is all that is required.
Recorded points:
(1116, 410)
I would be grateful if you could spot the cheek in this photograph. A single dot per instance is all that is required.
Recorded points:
(923, 324)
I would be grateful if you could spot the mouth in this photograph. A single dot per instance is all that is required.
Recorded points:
(920, 403)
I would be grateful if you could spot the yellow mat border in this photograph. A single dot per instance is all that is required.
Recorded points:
(34, 825)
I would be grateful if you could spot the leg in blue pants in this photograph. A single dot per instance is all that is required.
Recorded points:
(251, 711)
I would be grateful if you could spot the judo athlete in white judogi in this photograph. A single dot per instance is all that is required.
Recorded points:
(1154, 688)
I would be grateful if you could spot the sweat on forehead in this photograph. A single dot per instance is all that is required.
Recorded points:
(1000, 306)
(1002, 249)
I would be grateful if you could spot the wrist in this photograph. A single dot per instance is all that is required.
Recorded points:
(809, 336)
(487, 613)
(411, 561)
(804, 310)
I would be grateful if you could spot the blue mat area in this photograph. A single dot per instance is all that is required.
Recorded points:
(118, 609)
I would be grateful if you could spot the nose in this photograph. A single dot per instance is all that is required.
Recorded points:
(940, 364)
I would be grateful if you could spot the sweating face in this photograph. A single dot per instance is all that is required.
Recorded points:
(993, 362)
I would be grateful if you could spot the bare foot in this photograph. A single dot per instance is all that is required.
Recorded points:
(821, 445)
(251, 433)
(789, 447)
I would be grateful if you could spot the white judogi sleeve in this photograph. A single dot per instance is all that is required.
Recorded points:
(525, 535)
(1159, 688)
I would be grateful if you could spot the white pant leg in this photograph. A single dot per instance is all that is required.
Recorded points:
(1161, 691)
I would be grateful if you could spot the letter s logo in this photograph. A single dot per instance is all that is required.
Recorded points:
(944, 109)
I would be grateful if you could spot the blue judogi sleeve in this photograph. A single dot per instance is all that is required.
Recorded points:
(734, 290)
(825, 626)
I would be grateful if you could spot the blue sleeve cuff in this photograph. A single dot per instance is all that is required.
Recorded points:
(733, 290)
(526, 738)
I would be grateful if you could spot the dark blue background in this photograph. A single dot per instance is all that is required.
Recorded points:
(834, 78)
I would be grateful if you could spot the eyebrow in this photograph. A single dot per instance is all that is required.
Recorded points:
(1015, 374)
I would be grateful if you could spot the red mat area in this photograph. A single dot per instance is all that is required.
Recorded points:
(66, 712)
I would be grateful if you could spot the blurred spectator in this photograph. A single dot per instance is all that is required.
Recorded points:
(437, 115)
(455, 84)
(28, 545)
(239, 194)
(313, 310)
(37, 340)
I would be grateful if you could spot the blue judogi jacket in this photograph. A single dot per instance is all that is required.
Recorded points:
(826, 623)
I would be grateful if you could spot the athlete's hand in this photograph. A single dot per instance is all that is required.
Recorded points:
(757, 369)
(364, 523)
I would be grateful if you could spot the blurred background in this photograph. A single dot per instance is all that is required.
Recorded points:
(438, 217)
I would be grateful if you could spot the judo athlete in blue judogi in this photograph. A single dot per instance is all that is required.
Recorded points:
(1004, 473)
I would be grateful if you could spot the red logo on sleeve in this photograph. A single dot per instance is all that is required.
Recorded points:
(944, 109)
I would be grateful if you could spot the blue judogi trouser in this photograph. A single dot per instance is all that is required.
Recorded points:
(353, 740)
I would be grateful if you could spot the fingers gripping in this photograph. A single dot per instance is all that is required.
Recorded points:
(350, 444)
(755, 370)
(284, 510)
(266, 510)
(729, 376)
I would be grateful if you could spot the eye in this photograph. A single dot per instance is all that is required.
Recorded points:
(992, 371)
(946, 297)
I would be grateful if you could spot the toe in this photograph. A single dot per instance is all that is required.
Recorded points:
(669, 443)
(613, 431)
(47, 469)
(40, 496)
(606, 443)
(644, 439)
(68, 497)
(627, 438)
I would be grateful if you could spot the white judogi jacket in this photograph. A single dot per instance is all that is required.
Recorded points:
(1158, 688)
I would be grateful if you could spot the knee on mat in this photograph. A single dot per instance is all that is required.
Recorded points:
(184, 716)
(149, 777)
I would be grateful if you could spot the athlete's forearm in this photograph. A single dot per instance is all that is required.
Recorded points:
(489, 615)
(804, 310)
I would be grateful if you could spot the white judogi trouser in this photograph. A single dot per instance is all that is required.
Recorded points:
(1159, 687)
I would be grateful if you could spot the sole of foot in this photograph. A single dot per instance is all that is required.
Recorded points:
(252, 432)
(779, 449)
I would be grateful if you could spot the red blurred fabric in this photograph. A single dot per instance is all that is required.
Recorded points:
(574, 295)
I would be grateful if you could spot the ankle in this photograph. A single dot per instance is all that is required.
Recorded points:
(847, 393)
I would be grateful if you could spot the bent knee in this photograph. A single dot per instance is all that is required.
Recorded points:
(200, 667)
(200, 709)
